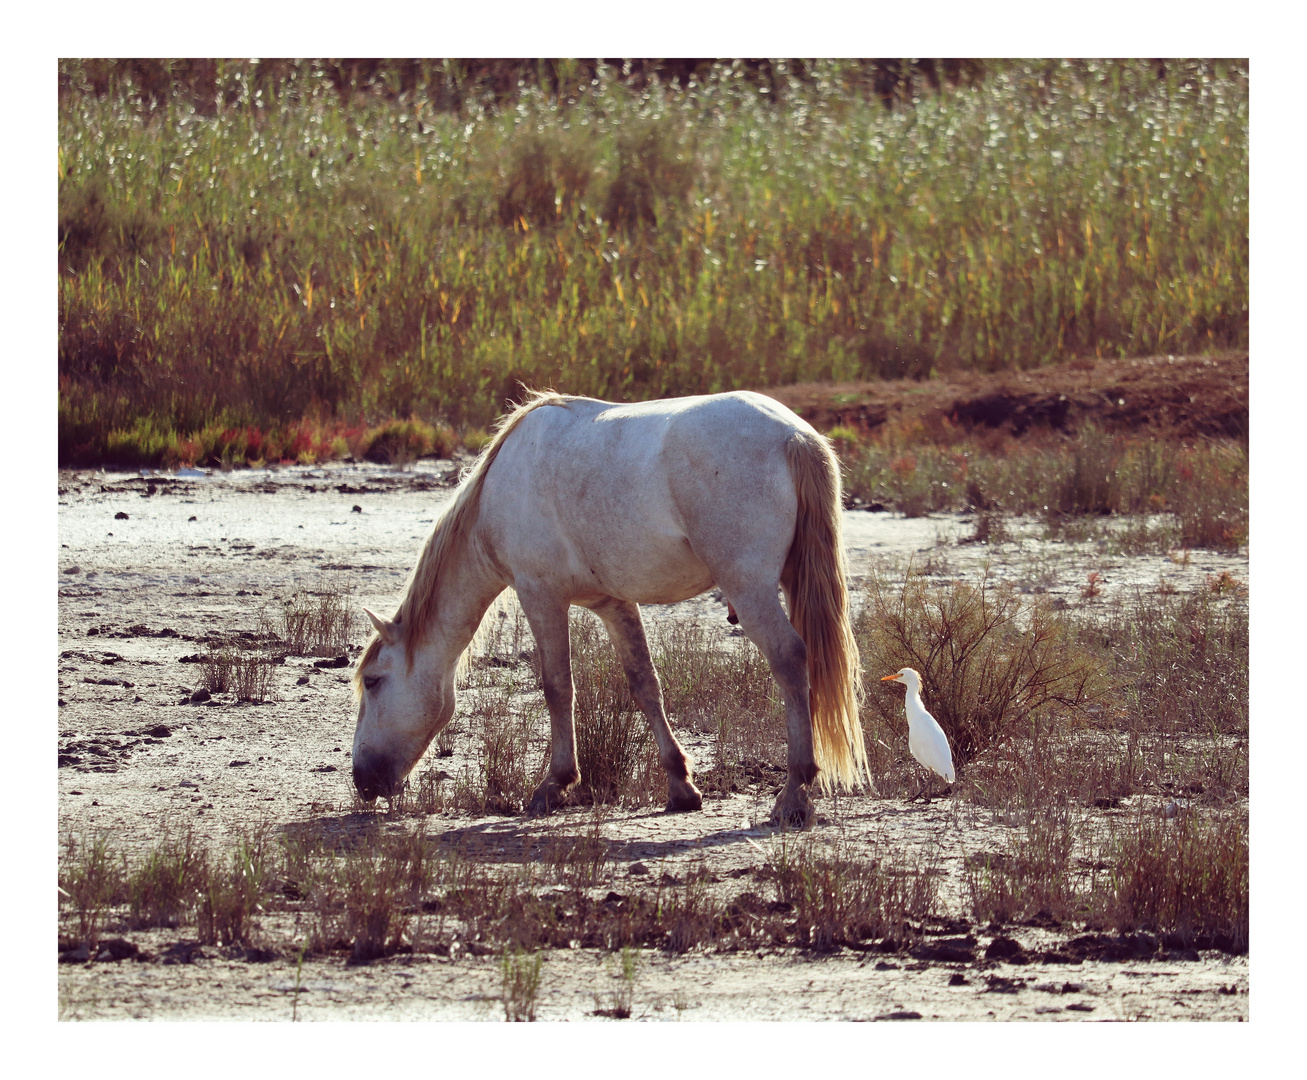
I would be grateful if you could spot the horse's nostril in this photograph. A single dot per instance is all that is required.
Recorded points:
(371, 777)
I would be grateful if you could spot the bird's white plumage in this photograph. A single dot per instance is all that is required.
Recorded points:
(926, 739)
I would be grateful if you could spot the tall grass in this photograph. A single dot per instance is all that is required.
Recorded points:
(286, 251)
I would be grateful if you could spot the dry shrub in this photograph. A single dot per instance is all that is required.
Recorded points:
(315, 623)
(841, 894)
(1085, 480)
(164, 889)
(689, 915)
(503, 642)
(1032, 876)
(1182, 661)
(429, 794)
(252, 678)
(614, 745)
(1173, 492)
(445, 740)
(508, 771)
(227, 667)
(216, 667)
(1187, 876)
(578, 860)
(1211, 501)
(382, 878)
(362, 890)
(993, 664)
(725, 691)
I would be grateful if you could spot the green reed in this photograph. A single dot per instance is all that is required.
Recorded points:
(294, 252)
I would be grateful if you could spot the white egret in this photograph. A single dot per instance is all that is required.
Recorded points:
(926, 739)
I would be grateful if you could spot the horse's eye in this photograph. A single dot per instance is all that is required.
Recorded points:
(370, 681)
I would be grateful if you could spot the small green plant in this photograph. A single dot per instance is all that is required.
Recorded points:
(299, 971)
(520, 980)
(845, 439)
(622, 998)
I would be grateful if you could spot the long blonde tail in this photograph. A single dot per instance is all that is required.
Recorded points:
(819, 611)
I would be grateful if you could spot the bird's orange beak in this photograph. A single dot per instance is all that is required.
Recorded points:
(888, 678)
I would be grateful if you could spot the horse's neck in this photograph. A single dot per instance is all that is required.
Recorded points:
(466, 589)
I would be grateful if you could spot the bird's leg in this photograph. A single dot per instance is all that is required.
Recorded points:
(930, 783)
(917, 795)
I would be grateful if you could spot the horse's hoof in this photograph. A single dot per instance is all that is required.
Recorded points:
(793, 813)
(684, 802)
(545, 801)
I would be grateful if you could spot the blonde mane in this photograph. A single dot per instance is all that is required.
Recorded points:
(449, 536)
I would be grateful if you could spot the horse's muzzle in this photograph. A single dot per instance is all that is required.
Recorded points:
(373, 777)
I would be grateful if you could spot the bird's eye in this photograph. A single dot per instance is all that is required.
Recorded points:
(370, 681)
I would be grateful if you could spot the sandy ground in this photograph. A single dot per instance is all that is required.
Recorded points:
(200, 556)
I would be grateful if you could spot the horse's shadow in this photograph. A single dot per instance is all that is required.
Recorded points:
(515, 841)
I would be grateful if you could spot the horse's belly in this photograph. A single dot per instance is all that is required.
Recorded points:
(650, 572)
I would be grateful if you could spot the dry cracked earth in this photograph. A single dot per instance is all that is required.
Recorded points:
(153, 569)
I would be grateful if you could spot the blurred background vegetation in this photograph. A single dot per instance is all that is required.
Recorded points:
(261, 260)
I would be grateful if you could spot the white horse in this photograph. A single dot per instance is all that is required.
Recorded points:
(578, 501)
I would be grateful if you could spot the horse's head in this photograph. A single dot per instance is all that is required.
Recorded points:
(401, 708)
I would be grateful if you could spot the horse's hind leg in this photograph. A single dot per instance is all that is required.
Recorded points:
(763, 619)
(547, 616)
(626, 630)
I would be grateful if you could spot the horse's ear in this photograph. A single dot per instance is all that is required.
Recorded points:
(384, 629)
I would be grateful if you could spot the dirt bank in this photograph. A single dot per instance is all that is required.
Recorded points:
(1171, 396)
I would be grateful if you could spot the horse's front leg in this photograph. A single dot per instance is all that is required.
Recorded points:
(547, 616)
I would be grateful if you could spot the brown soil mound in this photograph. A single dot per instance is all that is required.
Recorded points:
(1174, 396)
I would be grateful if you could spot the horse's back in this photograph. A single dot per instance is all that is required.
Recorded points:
(650, 500)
